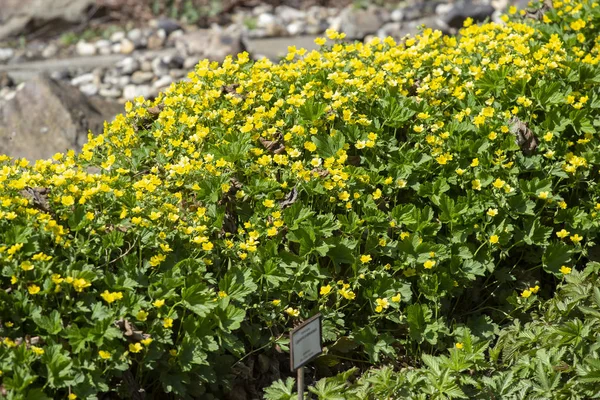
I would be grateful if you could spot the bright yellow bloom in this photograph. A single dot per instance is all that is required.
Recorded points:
(158, 303)
(498, 183)
(37, 350)
(429, 264)
(494, 239)
(80, 284)
(142, 315)
(565, 270)
(576, 238)
(292, 312)
(365, 258)
(382, 304)
(492, 212)
(325, 290)
(105, 355)
(72, 396)
(396, 298)
(459, 345)
(168, 322)
(146, 342)
(526, 293)
(135, 347)
(111, 297)
(33, 289)
(26, 266)
(563, 233)
(269, 203)
(276, 302)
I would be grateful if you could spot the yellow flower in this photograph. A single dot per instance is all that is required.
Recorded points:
(576, 238)
(105, 355)
(272, 231)
(33, 289)
(310, 146)
(208, 246)
(67, 201)
(320, 41)
(476, 184)
(382, 304)
(459, 345)
(365, 258)
(396, 298)
(543, 195)
(565, 270)
(494, 239)
(80, 284)
(347, 293)
(173, 352)
(344, 196)
(492, 212)
(292, 312)
(135, 347)
(526, 293)
(111, 297)
(475, 162)
(142, 315)
(498, 183)
(168, 322)
(429, 264)
(459, 171)
(158, 303)
(146, 342)
(37, 350)
(269, 203)
(534, 289)
(72, 396)
(26, 266)
(562, 233)
(276, 302)
(325, 290)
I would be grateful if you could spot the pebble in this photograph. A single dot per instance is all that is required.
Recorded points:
(6, 54)
(296, 28)
(90, 89)
(135, 35)
(128, 65)
(397, 15)
(117, 37)
(50, 50)
(84, 48)
(130, 92)
(140, 77)
(84, 79)
(127, 46)
(110, 92)
(289, 14)
(163, 82)
(159, 67)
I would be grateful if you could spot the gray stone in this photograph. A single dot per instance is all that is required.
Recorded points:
(130, 92)
(443, 9)
(162, 82)
(275, 48)
(50, 50)
(135, 35)
(289, 14)
(296, 28)
(146, 65)
(116, 48)
(358, 23)
(47, 116)
(127, 46)
(84, 48)
(140, 77)
(128, 65)
(178, 73)
(110, 92)
(21, 17)
(168, 25)
(157, 40)
(214, 44)
(412, 13)
(459, 13)
(90, 89)
(6, 81)
(6, 54)
(83, 79)
(397, 15)
(117, 36)
(101, 44)
(159, 68)
(190, 62)
(173, 36)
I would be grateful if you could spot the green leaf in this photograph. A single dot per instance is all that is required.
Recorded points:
(51, 323)
(415, 316)
(198, 299)
(536, 233)
(555, 256)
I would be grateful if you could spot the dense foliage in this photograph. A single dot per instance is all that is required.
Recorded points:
(425, 197)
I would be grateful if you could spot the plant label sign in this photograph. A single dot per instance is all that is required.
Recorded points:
(305, 342)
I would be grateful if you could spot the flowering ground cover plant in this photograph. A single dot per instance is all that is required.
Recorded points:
(423, 196)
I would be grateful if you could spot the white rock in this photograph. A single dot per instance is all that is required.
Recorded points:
(130, 92)
(159, 67)
(84, 79)
(296, 28)
(266, 20)
(140, 77)
(84, 48)
(128, 65)
(110, 92)
(135, 35)
(116, 48)
(443, 9)
(163, 82)
(90, 89)
(127, 46)
(190, 62)
(50, 50)
(289, 14)
(102, 44)
(397, 15)
(117, 37)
